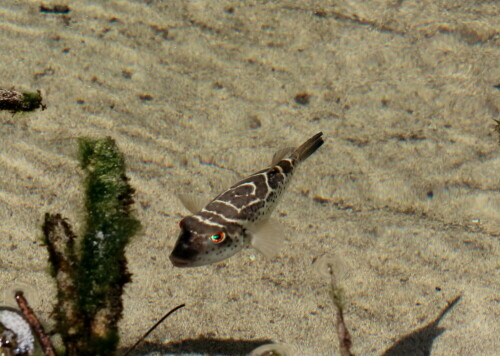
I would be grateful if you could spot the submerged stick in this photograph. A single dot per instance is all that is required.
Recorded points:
(345, 341)
(60, 240)
(15, 101)
(35, 324)
(152, 328)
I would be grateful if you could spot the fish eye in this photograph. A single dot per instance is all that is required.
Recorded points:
(218, 237)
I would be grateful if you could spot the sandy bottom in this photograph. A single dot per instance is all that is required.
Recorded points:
(198, 94)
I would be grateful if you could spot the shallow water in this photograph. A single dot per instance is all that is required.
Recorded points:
(200, 94)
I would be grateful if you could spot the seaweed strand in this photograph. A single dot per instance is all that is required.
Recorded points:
(91, 275)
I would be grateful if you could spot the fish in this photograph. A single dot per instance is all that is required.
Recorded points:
(240, 216)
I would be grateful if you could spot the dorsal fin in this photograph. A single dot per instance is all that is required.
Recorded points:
(279, 155)
(193, 203)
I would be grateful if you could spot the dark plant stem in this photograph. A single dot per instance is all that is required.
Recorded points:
(345, 341)
(60, 241)
(153, 327)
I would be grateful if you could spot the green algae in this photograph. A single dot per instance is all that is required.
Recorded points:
(14, 101)
(91, 270)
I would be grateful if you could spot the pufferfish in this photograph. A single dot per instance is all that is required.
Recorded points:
(239, 217)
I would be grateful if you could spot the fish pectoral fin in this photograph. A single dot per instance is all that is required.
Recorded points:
(267, 238)
(278, 156)
(193, 203)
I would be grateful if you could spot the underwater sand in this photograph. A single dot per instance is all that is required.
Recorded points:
(198, 94)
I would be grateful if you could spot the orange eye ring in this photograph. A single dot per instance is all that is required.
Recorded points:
(218, 237)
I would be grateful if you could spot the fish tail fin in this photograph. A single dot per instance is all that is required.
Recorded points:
(308, 147)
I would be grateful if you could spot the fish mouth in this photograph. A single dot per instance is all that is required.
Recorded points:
(179, 262)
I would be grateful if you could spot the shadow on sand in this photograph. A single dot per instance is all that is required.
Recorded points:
(419, 342)
(201, 345)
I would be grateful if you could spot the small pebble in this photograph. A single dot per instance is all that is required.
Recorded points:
(15, 333)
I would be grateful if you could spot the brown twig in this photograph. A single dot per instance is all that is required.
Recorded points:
(60, 241)
(152, 328)
(35, 324)
(345, 341)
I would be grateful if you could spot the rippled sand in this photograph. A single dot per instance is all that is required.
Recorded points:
(198, 94)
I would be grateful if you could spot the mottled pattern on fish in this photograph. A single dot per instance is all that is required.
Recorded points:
(251, 199)
(239, 216)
